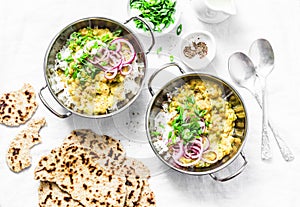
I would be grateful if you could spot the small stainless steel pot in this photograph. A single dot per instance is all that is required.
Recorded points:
(100, 22)
(155, 106)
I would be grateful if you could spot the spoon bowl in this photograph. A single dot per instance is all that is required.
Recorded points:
(242, 70)
(262, 55)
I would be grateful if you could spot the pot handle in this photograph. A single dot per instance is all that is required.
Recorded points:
(234, 174)
(160, 69)
(49, 107)
(150, 30)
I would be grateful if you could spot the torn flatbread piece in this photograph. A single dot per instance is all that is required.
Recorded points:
(50, 195)
(17, 107)
(75, 172)
(18, 156)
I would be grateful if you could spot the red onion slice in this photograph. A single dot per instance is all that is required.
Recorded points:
(178, 150)
(206, 143)
(128, 71)
(207, 160)
(117, 43)
(131, 53)
(110, 74)
(187, 164)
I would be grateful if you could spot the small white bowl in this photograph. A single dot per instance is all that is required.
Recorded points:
(177, 16)
(196, 62)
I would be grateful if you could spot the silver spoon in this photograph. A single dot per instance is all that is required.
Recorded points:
(241, 70)
(262, 55)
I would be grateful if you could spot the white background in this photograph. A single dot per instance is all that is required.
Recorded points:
(27, 27)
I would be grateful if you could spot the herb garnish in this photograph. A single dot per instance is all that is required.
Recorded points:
(159, 12)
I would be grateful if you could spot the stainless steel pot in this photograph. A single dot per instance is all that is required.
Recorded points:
(155, 106)
(100, 22)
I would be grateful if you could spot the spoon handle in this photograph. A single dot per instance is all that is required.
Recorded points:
(266, 153)
(283, 147)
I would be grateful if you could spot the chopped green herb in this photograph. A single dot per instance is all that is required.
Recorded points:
(67, 72)
(171, 58)
(106, 38)
(158, 50)
(161, 13)
(117, 32)
(179, 29)
(59, 56)
(69, 59)
(155, 134)
(112, 47)
(161, 126)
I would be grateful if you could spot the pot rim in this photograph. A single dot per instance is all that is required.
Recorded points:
(226, 163)
(45, 65)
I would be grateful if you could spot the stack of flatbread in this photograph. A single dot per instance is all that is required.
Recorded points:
(92, 170)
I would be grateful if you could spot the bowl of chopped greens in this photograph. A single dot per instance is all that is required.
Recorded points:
(94, 67)
(197, 124)
(162, 15)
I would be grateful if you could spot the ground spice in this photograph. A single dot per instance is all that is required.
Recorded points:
(200, 49)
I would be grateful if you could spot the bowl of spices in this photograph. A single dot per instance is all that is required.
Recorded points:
(198, 49)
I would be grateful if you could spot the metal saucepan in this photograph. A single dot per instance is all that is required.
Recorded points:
(60, 40)
(162, 96)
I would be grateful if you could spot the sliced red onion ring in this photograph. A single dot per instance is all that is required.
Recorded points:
(131, 51)
(178, 150)
(187, 164)
(117, 43)
(193, 150)
(110, 74)
(114, 61)
(128, 71)
(206, 143)
(103, 53)
(206, 159)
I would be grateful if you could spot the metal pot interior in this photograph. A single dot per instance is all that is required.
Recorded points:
(97, 22)
(229, 94)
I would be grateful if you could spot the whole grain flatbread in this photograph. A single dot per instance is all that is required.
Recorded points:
(135, 172)
(18, 156)
(110, 151)
(76, 172)
(50, 195)
(135, 168)
(17, 107)
(112, 158)
(147, 197)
